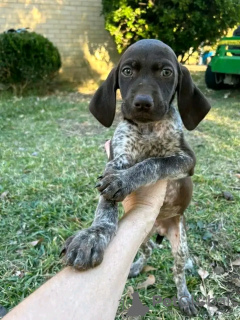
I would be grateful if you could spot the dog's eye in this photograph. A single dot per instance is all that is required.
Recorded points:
(166, 73)
(127, 72)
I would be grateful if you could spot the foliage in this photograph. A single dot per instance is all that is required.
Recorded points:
(27, 58)
(181, 24)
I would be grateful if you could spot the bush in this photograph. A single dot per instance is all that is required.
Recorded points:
(27, 59)
(181, 24)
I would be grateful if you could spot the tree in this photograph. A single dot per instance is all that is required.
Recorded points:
(181, 24)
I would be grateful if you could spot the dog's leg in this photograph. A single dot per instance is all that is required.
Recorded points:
(174, 230)
(86, 249)
(117, 185)
(145, 253)
(120, 162)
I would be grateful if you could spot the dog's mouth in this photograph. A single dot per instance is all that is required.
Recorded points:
(143, 115)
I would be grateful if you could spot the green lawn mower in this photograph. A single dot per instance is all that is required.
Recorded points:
(224, 69)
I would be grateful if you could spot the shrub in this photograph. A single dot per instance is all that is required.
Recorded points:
(27, 58)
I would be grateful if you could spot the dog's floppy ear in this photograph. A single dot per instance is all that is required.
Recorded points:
(192, 104)
(103, 103)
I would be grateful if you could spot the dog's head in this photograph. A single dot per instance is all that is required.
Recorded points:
(148, 76)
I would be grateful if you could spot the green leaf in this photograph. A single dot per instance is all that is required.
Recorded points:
(181, 24)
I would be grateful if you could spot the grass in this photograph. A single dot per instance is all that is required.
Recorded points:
(52, 152)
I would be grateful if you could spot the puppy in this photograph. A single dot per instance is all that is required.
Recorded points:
(148, 145)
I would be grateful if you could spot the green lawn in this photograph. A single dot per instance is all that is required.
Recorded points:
(51, 154)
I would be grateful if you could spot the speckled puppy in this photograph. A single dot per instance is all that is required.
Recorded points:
(148, 145)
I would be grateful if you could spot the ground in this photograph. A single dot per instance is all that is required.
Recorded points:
(51, 155)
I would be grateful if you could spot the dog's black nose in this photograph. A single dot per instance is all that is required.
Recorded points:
(143, 101)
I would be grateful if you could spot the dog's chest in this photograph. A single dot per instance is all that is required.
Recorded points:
(163, 139)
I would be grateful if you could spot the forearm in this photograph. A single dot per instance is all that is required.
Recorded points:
(95, 293)
(153, 169)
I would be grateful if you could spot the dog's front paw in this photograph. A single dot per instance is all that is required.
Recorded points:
(186, 305)
(114, 186)
(86, 249)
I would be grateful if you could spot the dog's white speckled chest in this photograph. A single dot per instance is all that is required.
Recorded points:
(141, 141)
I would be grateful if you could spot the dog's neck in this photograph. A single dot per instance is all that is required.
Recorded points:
(150, 127)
